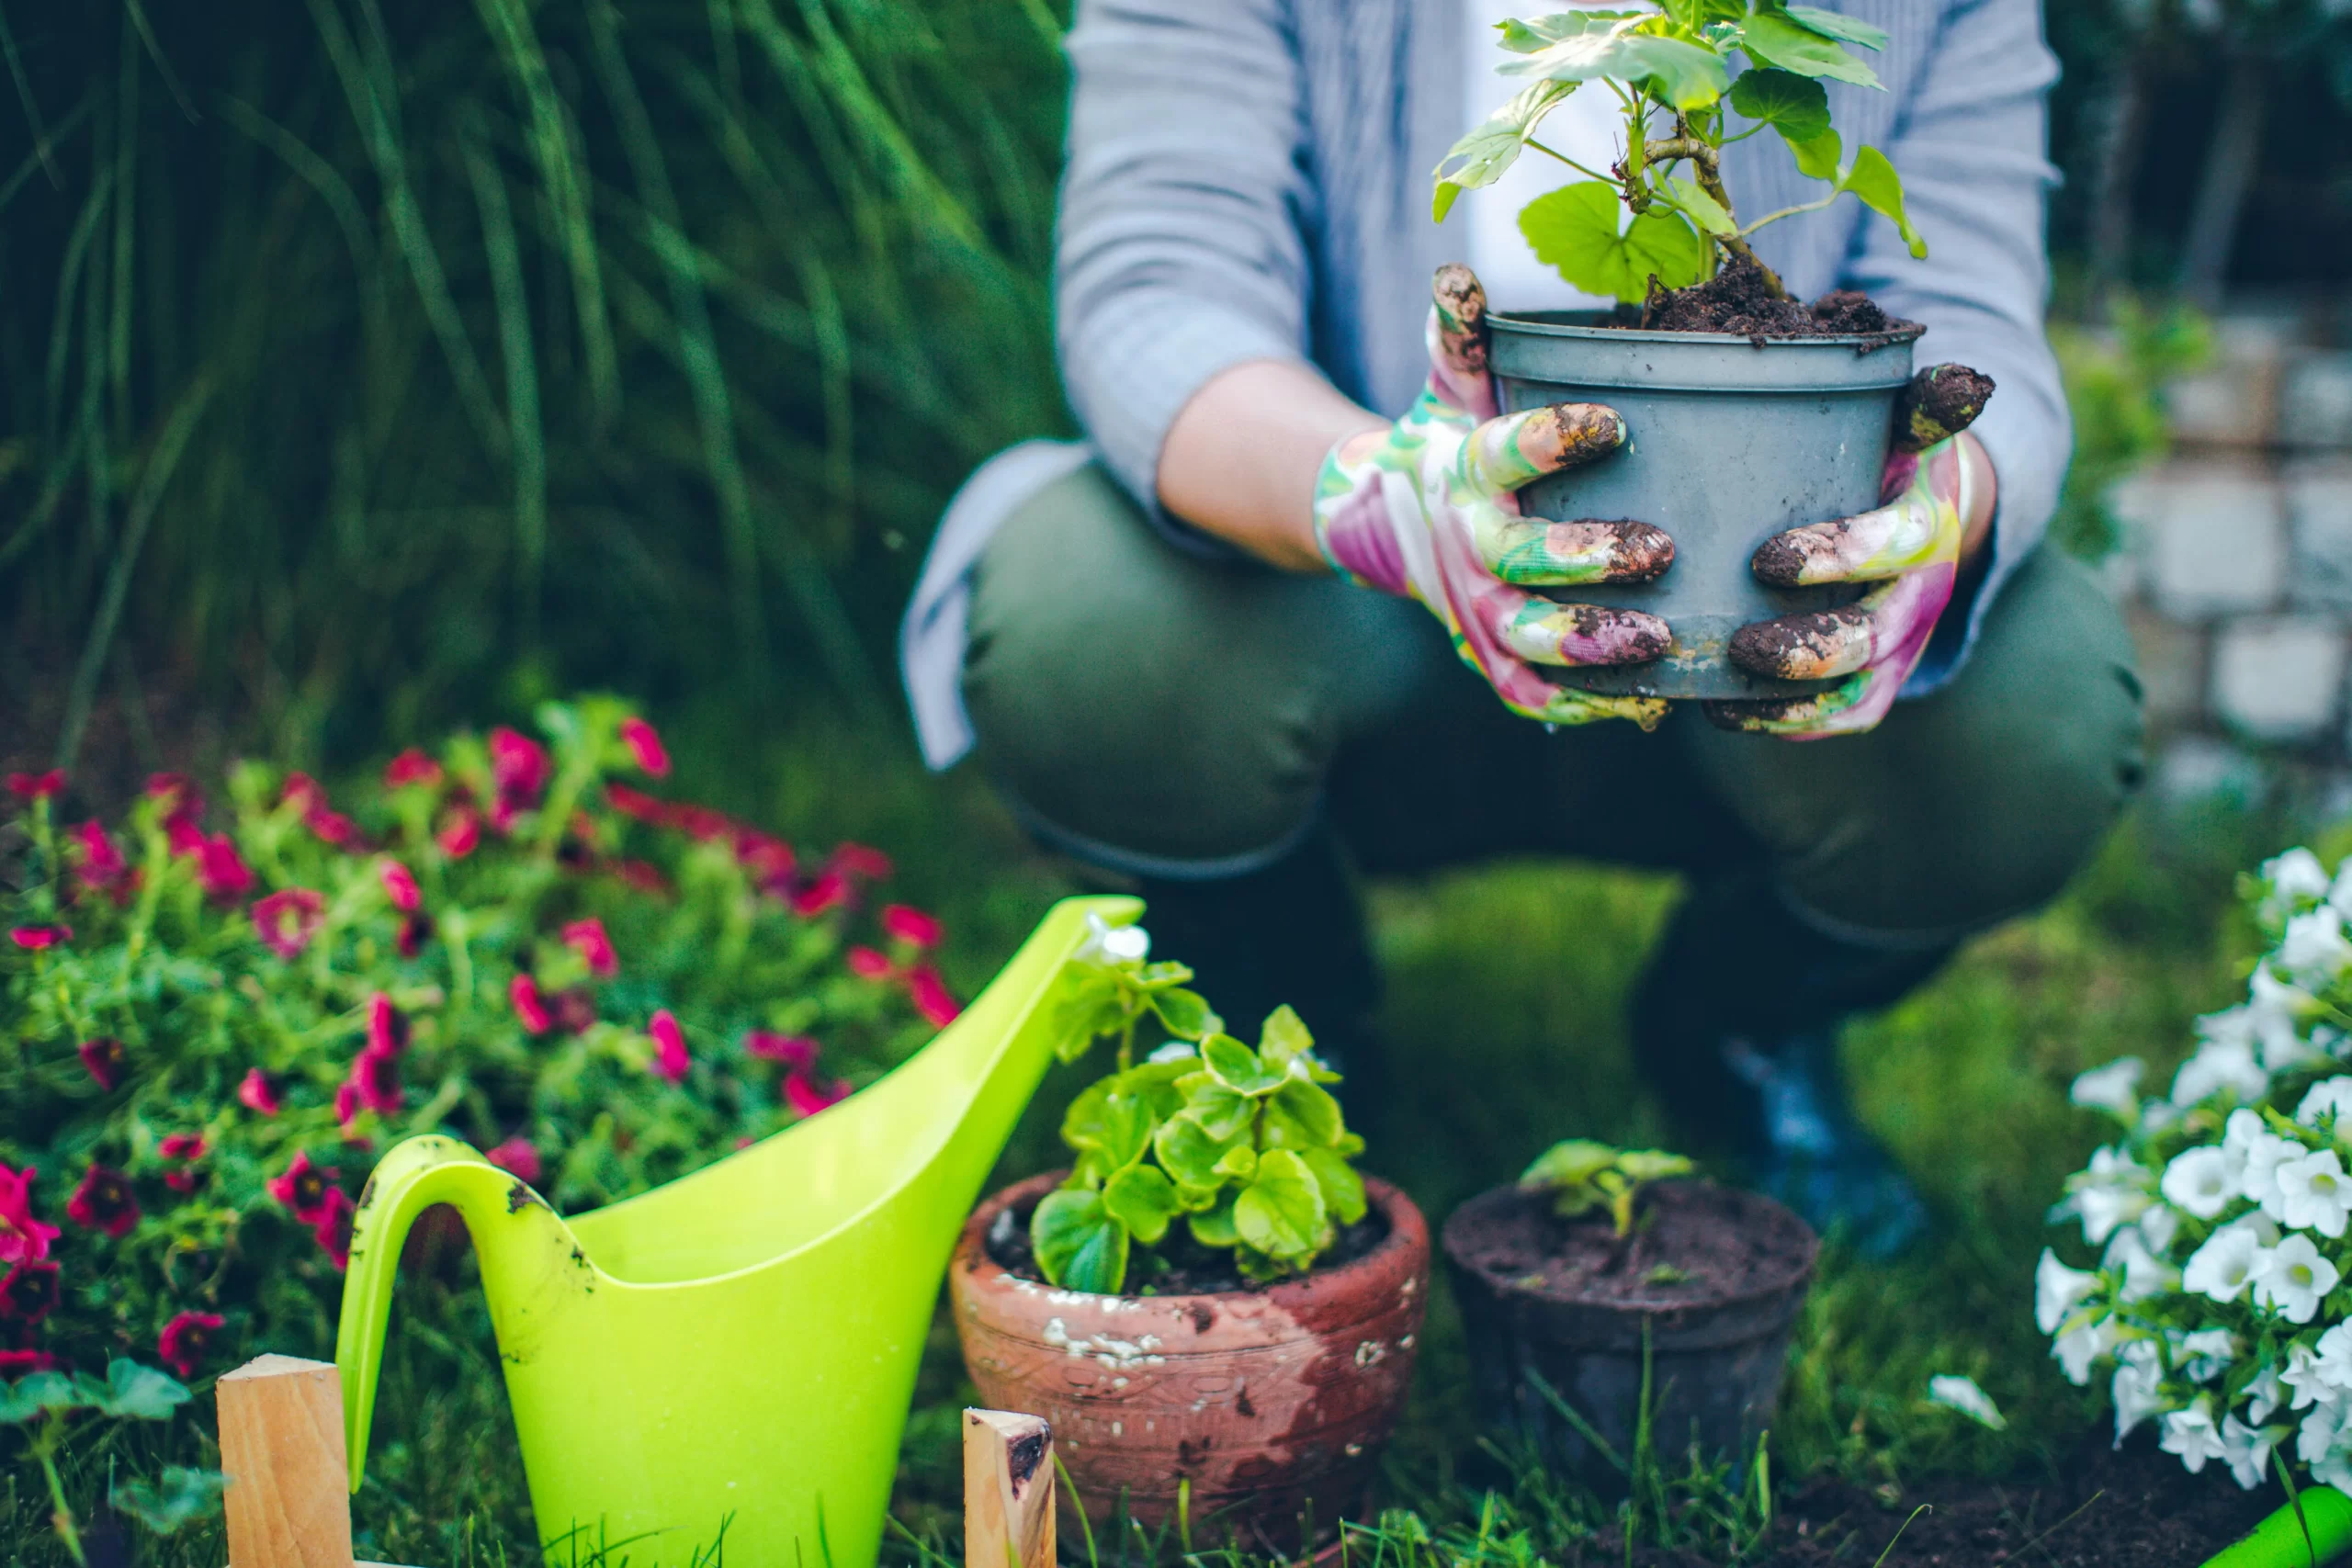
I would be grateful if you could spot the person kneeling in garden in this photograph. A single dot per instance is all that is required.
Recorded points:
(1257, 634)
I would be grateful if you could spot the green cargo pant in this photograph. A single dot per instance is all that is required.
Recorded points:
(1173, 716)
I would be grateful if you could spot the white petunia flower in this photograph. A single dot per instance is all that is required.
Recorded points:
(2113, 1192)
(2331, 1360)
(2058, 1291)
(2158, 1226)
(2246, 1449)
(2329, 1096)
(2296, 877)
(2219, 1065)
(1174, 1051)
(2115, 1087)
(1955, 1392)
(2201, 1182)
(2274, 1012)
(2303, 1375)
(2339, 892)
(2143, 1274)
(2263, 1395)
(2292, 1279)
(2313, 950)
(1107, 943)
(2223, 1267)
(2192, 1434)
(2323, 1431)
(2206, 1354)
(2075, 1350)
(2314, 1193)
(2138, 1394)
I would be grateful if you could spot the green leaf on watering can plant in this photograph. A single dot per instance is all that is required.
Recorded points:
(1302, 1116)
(178, 1496)
(1698, 205)
(1873, 179)
(1341, 1184)
(1185, 1014)
(1215, 1226)
(1832, 24)
(1573, 229)
(1189, 1152)
(1567, 1163)
(1284, 1040)
(1771, 37)
(1797, 107)
(1142, 1198)
(1281, 1213)
(1238, 1068)
(1080, 1245)
(1481, 156)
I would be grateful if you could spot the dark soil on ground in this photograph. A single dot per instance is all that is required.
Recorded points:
(1739, 300)
(1178, 1266)
(1692, 1242)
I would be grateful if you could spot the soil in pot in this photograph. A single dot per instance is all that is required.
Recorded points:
(1266, 1406)
(1739, 301)
(1557, 1311)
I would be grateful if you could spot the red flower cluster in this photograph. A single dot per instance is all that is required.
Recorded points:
(288, 919)
(798, 1054)
(185, 1340)
(311, 1191)
(99, 866)
(184, 1149)
(517, 1155)
(23, 1240)
(105, 1060)
(40, 938)
(332, 827)
(646, 747)
(669, 1058)
(587, 938)
(41, 786)
(911, 933)
(519, 770)
(104, 1203)
(375, 1081)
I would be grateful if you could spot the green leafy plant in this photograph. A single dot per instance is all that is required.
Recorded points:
(1583, 1175)
(1245, 1148)
(43, 1404)
(1661, 214)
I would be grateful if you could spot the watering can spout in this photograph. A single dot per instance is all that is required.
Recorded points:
(533, 1271)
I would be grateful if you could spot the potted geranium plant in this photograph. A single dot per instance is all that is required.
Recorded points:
(1212, 1307)
(1606, 1296)
(1751, 412)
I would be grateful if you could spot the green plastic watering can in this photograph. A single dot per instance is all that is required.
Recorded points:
(741, 1345)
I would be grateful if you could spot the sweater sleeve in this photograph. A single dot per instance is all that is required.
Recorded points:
(1183, 203)
(1971, 150)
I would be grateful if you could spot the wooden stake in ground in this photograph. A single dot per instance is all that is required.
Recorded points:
(1007, 1490)
(281, 1446)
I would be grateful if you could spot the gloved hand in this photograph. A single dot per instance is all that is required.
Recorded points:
(1910, 546)
(1425, 509)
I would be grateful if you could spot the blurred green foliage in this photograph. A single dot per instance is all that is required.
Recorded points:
(2115, 381)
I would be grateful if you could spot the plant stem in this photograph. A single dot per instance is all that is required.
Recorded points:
(45, 1451)
(1571, 163)
(1789, 212)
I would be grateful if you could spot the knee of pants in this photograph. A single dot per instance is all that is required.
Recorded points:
(1134, 703)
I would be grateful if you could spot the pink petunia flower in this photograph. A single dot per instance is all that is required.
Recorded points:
(769, 862)
(461, 832)
(931, 995)
(701, 823)
(517, 1155)
(912, 926)
(375, 1076)
(400, 885)
(818, 894)
(646, 746)
(573, 1009)
(793, 1050)
(104, 1203)
(303, 1188)
(412, 767)
(183, 1146)
(186, 1179)
(23, 1240)
(41, 786)
(637, 804)
(518, 765)
(806, 1095)
(868, 964)
(106, 1060)
(587, 938)
(333, 829)
(523, 992)
(288, 919)
(28, 1293)
(221, 871)
(416, 929)
(304, 792)
(643, 875)
(99, 864)
(346, 1107)
(40, 938)
(23, 1363)
(185, 1340)
(861, 860)
(669, 1058)
(179, 798)
(259, 1093)
(333, 1231)
(388, 1027)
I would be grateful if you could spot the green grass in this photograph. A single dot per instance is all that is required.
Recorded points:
(1504, 1024)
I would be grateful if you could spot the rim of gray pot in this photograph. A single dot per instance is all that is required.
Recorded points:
(1546, 345)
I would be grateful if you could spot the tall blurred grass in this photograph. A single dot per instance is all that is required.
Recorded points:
(353, 354)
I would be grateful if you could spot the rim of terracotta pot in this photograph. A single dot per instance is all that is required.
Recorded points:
(1759, 1203)
(1403, 1252)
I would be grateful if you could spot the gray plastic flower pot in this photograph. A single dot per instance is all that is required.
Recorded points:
(1728, 442)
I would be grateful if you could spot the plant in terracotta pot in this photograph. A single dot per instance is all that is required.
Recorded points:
(1609, 1299)
(1213, 1308)
(1750, 412)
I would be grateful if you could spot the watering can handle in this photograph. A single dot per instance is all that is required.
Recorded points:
(520, 1243)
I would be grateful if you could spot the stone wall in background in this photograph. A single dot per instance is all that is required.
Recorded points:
(2236, 562)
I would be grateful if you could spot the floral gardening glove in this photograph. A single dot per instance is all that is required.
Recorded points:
(1425, 509)
(1910, 546)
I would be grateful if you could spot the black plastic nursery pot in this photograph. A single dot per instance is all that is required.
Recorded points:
(1730, 440)
(1557, 1312)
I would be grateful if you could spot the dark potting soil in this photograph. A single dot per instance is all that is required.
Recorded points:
(1739, 301)
(1178, 1266)
(2136, 1508)
(1692, 1242)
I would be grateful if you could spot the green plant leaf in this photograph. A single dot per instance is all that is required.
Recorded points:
(1281, 1213)
(1142, 1198)
(1080, 1245)
(1482, 156)
(1284, 1040)
(1238, 1163)
(1698, 205)
(1087, 1010)
(1541, 33)
(1238, 1068)
(1819, 157)
(1797, 107)
(50, 1391)
(1189, 1153)
(1833, 24)
(1106, 1119)
(1185, 1014)
(178, 1496)
(1302, 1115)
(1341, 1184)
(1770, 38)
(1574, 231)
(1568, 1163)
(143, 1392)
(1214, 1227)
(1687, 75)
(1653, 1165)
(1873, 179)
(1222, 1113)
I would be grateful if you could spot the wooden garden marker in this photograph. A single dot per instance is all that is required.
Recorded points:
(1007, 1490)
(281, 1446)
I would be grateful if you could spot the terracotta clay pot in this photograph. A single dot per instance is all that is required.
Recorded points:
(1273, 1405)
